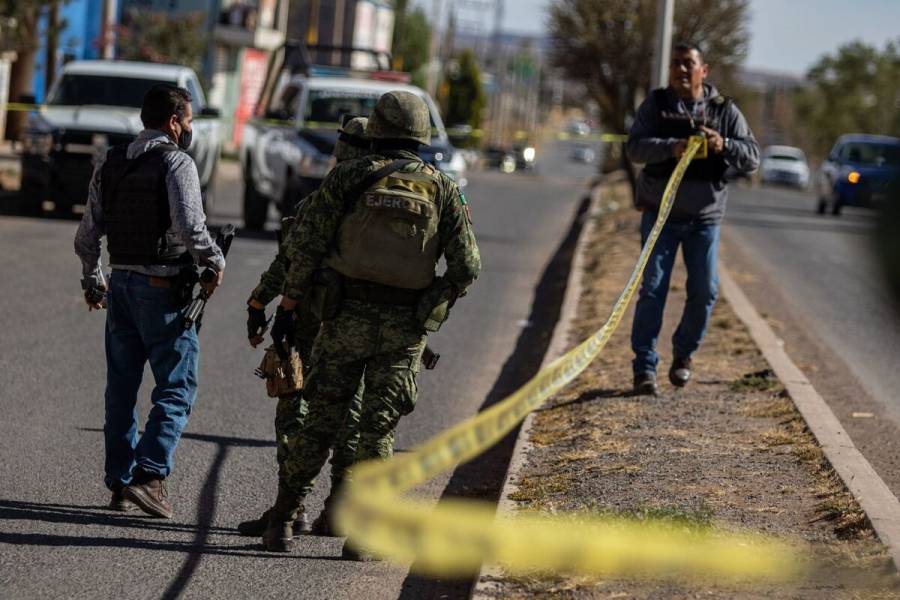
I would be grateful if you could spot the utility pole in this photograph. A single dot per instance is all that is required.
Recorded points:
(52, 45)
(665, 9)
(107, 39)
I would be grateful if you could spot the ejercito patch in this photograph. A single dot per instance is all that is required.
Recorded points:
(393, 202)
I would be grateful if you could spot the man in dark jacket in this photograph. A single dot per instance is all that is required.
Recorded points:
(658, 138)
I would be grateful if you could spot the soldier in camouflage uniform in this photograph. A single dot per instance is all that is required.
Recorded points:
(381, 223)
(291, 409)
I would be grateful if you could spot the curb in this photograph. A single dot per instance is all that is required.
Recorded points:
(558, 346)
(874, 497)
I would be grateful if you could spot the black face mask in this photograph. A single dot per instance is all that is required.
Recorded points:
(184, 140)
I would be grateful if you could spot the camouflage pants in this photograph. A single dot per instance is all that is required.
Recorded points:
(292, 410)
(380, 345)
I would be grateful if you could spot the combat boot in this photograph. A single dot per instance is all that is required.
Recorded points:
(351, 552)
(257, 527)
(279, 535)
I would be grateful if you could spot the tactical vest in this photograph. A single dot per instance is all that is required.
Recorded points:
(136, 208)
(390, 236)
(673, 124)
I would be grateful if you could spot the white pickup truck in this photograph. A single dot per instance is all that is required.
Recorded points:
(96, 104)
(286, 148)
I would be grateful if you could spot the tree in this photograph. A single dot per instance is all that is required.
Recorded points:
(853, 91)
(157, 37)
(25, 41)
(607, 46)
(463, 101)
(412, 40)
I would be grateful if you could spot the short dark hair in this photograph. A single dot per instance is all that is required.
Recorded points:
(161, 102)
(687, 47)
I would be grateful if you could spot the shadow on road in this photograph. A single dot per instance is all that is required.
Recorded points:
(483, 477)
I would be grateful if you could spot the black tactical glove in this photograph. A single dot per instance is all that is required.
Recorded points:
(283, 332)
(256, 322)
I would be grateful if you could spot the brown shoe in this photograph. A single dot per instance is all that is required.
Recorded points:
(150, 497)
(119, 503)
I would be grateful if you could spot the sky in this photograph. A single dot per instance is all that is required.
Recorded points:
(786, 35)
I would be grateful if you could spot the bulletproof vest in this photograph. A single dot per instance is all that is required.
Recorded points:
(136, 208)
(390, 235)
(674, 124)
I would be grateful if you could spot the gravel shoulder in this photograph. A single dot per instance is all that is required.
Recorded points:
(728, 451)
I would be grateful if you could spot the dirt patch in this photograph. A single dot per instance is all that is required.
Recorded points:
(727, 451)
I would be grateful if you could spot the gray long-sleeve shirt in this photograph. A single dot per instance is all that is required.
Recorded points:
(695, 199)
(185, 211)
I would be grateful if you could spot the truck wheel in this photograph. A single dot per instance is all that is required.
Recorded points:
(30, 201)
(256, 206)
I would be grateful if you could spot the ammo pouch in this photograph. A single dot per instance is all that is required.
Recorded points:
(434, 304)
(326, 294)
(282, 377)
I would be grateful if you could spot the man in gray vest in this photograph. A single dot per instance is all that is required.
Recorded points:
(145, 198)
(658, 137)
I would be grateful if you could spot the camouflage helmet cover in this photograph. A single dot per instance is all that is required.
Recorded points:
(400, 115)
(352, 134)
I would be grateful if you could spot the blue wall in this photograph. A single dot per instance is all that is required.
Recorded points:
(77, 41)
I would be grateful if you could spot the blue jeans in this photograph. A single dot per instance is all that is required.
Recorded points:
(144, 324)
(699, 246)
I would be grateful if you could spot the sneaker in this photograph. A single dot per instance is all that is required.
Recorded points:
(680, 371)
(645, 384)
(150, 497)
(257, 527)
(119, 503)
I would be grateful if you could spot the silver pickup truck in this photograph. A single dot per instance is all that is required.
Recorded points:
(286, 149)
(96, 104)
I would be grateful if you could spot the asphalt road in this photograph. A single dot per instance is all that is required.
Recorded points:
(57, 540)
(816, 279)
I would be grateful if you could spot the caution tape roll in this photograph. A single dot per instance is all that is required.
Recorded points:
(455, 537)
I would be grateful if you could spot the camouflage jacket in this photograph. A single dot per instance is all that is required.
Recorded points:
(271, 282)
(325, 211)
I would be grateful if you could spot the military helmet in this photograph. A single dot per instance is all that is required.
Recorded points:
(352, 141)
(400, 115)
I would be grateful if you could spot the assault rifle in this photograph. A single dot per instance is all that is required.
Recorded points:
(195, 311)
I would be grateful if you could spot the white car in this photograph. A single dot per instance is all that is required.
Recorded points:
(96, 104)
(784, 165)
(286, 149)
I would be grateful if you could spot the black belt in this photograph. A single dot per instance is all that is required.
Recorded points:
(376, 293)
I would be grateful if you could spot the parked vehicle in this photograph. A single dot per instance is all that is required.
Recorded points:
(582, 153)
(525, 157)
(286, 148)
(96, 104)
(496, 157)
(858, 172)
(784, 165)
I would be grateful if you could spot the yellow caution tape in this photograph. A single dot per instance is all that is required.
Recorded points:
(455, 537)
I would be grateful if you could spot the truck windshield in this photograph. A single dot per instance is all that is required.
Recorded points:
(324, 108)
(77, 90)
(869, 154)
